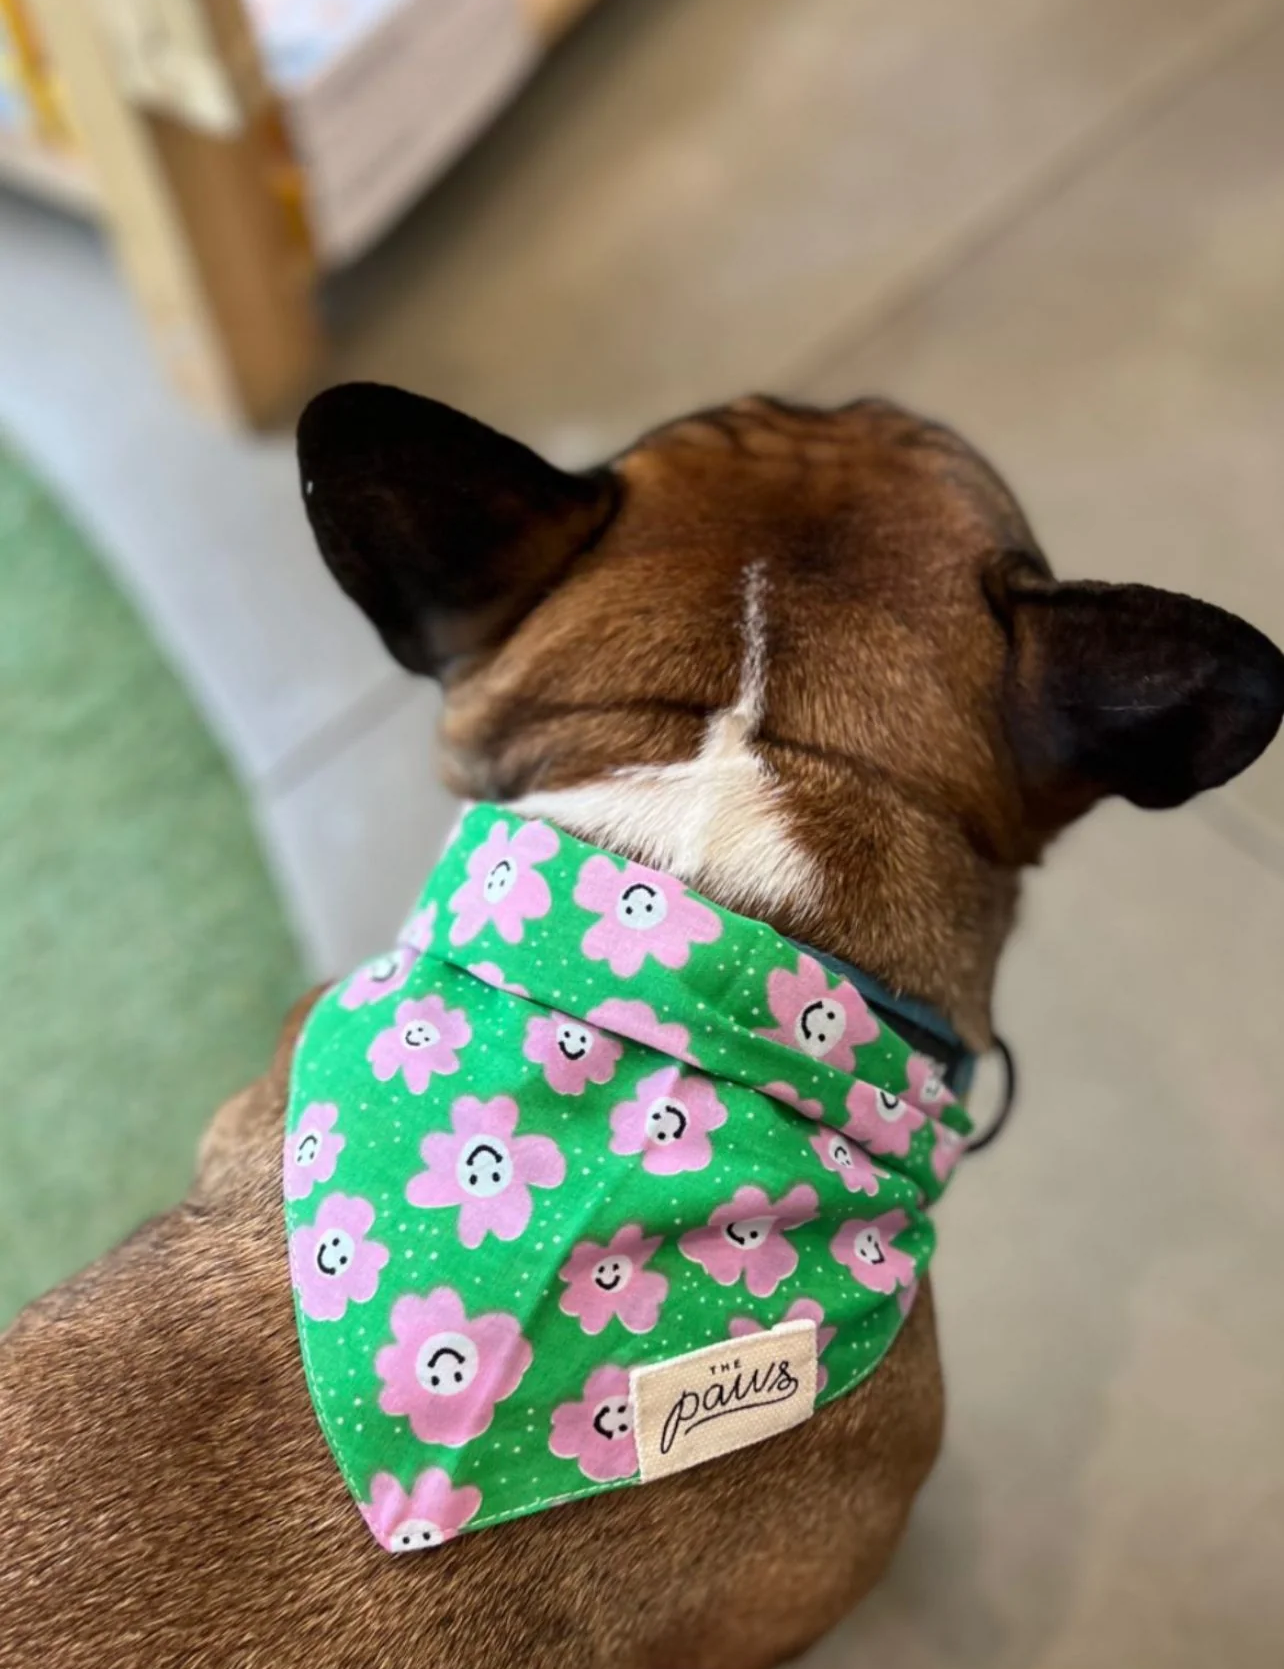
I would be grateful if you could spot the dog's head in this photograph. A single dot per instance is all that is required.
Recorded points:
(812, 661)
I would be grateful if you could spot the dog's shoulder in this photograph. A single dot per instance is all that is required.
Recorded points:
(246, 1130)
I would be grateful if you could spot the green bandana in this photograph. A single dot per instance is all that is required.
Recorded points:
(581, 1122)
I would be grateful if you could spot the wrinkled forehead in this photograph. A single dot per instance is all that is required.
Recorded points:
(867, 481)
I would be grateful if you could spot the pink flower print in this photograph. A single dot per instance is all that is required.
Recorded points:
(503, 885)
(747, 1237)
(447, 1372)
(572, 1054)
(418, 931)
(927, 1088)
(312, 1150)
(432, 1513)
(423, 1041)
(825, 1023)
(669, 1122)
(880, 1121)
(905, 1298)
(639, 1021)
(864, 1245)
(837, 1153)
(787, 1093)
(948, 1148)
(485, 1169)
(379, 978)
(642, 913)
(597, 1431)
(491, 974)
(802, 1309)
(331, 1261)
(611, 1280)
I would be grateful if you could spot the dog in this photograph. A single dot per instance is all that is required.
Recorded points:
(861, 746)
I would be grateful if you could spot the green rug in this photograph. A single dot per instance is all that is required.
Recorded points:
(144, 959)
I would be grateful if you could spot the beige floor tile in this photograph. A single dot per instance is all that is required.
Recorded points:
(354, 837)
(1112, 1490)
(1121, 355)
(695, 192)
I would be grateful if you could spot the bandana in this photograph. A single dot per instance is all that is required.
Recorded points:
(589, 1179)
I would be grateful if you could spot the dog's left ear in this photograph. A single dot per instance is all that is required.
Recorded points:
(1126, 689)
(445, 532)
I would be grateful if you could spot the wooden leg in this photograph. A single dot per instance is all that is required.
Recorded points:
(205, 213)
(551, 18)
(247, 243)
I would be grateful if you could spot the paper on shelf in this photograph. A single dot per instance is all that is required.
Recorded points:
(381, 95)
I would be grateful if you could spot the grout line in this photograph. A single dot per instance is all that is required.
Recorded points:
(1076, 161)
(1247, 830)
(395, 691)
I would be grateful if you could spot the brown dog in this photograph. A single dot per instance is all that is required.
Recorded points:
(929, 708)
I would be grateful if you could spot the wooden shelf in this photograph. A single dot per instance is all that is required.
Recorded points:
(59, 177)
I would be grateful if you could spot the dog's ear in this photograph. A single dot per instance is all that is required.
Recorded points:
(445, 532)
(1126, 689)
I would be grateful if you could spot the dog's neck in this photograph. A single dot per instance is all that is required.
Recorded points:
(866, 868)
(718, 820)
(920, 909)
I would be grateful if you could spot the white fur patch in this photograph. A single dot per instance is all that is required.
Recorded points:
(717, 820)
(753, 664)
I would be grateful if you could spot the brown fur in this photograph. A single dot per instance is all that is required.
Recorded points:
(883, 720)
(166, 1497)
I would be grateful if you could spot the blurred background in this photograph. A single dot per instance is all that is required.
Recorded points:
(1057, 224)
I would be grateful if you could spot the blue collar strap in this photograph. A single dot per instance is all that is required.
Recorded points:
(926, 1028)
(921, 1025)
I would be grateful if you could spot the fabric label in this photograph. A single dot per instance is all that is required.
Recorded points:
(723, 1397)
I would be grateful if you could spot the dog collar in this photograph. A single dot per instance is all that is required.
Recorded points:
(917, 1022)
(589, 1179)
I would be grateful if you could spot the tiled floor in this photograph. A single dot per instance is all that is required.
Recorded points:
(1060, 225)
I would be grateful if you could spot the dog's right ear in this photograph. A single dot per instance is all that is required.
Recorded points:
(445, 532)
